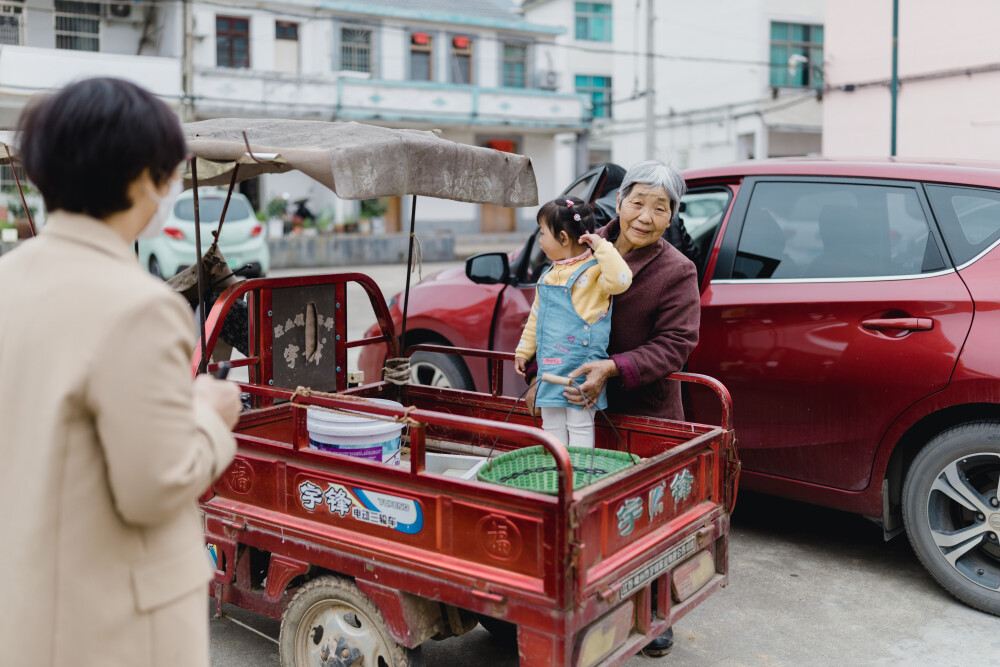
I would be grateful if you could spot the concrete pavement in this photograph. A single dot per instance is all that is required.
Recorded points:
(808, 586)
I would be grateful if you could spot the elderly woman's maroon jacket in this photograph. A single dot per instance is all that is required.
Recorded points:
(654, 327)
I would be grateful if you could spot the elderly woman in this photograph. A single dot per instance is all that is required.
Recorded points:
(106, 441)
(654, 323)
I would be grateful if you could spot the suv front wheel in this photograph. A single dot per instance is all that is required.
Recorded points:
(439, 370)
(951, 510)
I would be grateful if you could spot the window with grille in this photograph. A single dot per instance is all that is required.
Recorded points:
(232, 41)
(12, 22)
(421, 56)
(78, 25)
(598, 89)
(796, 55)
(7, 181)
(593, 21)
(356, 50)
(461, 60)
(515, 65)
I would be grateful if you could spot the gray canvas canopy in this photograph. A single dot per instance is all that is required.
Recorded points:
(7, 141)
(358, 161)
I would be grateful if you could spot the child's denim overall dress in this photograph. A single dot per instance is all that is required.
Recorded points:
(565, 340)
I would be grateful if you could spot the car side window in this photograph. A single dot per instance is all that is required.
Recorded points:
(969, 219)
(834, 230)
(701, 212)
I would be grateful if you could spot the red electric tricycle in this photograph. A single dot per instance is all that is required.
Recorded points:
(363, 560)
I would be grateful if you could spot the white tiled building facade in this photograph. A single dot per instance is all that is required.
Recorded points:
(469, 69)
(732, 79)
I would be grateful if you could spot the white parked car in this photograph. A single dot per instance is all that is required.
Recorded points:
(243, 239)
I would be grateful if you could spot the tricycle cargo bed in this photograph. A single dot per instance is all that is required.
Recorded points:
(588, 575)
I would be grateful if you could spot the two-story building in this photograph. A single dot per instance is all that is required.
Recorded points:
(697, 83)
(473, 69)
(948, 80)
(468, 68)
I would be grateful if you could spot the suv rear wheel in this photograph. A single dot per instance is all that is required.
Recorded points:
(951, 511)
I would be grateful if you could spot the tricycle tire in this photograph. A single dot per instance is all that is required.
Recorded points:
(330, 622)
(503, 631)
(952, 513)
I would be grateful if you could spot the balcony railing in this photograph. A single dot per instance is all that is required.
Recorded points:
(343, 97)
(25, 69)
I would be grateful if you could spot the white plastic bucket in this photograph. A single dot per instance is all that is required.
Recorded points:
(355, 434)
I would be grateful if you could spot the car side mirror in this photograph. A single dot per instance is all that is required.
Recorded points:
(488, 268)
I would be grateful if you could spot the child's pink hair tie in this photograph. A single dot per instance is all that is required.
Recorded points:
(569, 202)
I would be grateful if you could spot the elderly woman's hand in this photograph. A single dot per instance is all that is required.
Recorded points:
(597, 373)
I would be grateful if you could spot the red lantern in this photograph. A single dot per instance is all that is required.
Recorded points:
(460, 42)
(420, 38)
(503, 145)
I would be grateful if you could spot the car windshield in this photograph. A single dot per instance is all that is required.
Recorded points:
(211, 209)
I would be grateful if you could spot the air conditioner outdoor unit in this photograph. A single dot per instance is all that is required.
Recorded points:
(547, 79)
(119, 9)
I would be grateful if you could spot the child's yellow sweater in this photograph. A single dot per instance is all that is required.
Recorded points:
(591, 294)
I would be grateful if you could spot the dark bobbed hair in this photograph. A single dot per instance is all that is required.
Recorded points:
(85, 144)
(560, 214)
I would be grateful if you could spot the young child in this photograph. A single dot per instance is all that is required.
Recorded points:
(570, 320)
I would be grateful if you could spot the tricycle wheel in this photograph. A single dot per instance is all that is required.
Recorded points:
(330, 623)
(503, 631)
(952, 512)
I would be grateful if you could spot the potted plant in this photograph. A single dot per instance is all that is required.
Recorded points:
(372, 208)
(8, 232)
(16, 210)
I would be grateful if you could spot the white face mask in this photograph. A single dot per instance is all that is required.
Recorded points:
(164, 205)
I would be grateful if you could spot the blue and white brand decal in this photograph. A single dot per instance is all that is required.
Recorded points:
(404, 513)
(380, 509)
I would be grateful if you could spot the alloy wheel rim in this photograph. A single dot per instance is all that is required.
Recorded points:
(963, 515)
(423, 372)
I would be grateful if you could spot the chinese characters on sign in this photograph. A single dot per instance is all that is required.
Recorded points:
(366, 506)
(680, 488)
(499, 537)
(310, 495)
(632, 508)
(337, 500)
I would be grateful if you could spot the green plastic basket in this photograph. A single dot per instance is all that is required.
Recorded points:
(534, 469)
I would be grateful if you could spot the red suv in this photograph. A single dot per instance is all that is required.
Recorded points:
(853, 311)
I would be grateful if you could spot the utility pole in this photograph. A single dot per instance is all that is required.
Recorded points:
(650, 83)
(894, 85)
(187, 62)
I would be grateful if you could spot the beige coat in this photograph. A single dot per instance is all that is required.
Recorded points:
(104, 455)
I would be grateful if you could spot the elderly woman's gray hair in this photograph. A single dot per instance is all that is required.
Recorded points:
(655, 173)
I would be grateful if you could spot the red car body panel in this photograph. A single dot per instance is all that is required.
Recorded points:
(829, 408)
(813, 395)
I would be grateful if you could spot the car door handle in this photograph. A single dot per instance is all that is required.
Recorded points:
(900, 323)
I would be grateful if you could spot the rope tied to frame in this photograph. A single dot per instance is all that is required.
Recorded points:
(306, 392)
(397, 370)
(419, 266)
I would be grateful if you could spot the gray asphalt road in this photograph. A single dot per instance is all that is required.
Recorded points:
(808, 586)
